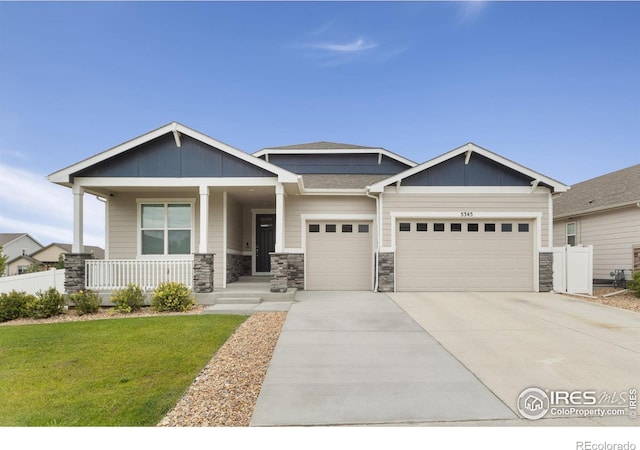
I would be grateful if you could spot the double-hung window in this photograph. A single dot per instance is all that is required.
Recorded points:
(165, 228)
(571, 233)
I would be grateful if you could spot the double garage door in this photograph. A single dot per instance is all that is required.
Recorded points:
(339, 255)
(464, 255)
(431, 255)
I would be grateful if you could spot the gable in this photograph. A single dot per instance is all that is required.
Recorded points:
(160, 157)
(338, 163)
(479, 171)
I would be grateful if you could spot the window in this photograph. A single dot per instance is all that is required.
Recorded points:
(363, 228)
(330, 228)
(489, 227)
(506, 228)
(438, 227)
(421, 227)
(405, 226)
(165, 228)
(472, 227)
(23, 270)
(456, 227)
(571, 233)
(314, 228)
(347, 228)
(523, 228)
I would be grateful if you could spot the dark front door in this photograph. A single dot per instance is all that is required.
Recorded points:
(265, 241)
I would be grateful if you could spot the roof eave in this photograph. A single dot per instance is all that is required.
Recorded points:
(600, 209)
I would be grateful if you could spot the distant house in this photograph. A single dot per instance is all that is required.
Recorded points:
(17, 244)
(46, 258)
(603, 212)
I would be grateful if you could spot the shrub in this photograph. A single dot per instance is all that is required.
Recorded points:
(171, 296)
(86, 302)
(45, 304)
(129, 299)
(634, 284)
(13, 305)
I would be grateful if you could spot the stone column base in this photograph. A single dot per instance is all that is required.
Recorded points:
(545, 274)
(203, 273)
(74, 271)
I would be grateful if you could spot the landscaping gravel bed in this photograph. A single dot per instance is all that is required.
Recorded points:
(226, 391)
(625, 300)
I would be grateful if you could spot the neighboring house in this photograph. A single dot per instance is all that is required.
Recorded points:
(321, 216)
(17, 244)
(46, 258)
(603, 212)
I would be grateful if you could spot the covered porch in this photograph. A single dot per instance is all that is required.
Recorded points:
(216, 232)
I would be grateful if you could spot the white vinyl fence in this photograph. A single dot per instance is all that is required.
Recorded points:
(573, 269)
(34, 282)
(113, 274)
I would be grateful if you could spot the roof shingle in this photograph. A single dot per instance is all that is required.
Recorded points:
(613, 189)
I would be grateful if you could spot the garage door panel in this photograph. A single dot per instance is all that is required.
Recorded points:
(339, 260)
(464, 260)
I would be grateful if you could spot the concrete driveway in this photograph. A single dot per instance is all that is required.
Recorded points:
(512, 341)
(347, 358)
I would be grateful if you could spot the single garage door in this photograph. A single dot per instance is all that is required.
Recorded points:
(469, 255)
(339, 256)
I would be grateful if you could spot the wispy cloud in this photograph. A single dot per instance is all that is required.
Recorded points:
(328, 45)
(358, 45)
(471, 10)
(30, 204)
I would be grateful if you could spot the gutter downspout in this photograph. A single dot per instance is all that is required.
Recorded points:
(377, 199)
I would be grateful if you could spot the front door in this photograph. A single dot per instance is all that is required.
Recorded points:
(265, 241)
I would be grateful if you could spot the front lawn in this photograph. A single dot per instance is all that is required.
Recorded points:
(121, 372)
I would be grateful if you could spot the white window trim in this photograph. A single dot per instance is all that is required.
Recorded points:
(575, 233)
(164, 201)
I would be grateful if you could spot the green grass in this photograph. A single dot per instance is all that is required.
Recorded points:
(120, 372)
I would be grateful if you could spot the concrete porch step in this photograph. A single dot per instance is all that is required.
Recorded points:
(243, 300)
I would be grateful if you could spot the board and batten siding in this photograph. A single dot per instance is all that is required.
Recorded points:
(612, 233)
(296, 206)
(537, 202)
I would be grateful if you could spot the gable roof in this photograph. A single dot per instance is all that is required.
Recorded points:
(64, 176)
(612, 190)
(325, 147)
(98, 252)
(319, 145)
(6, 238)
(468, 149)
(28, 258)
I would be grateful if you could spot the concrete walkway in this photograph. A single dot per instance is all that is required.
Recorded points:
(358, 358)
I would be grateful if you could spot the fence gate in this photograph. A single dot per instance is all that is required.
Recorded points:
(573, 269)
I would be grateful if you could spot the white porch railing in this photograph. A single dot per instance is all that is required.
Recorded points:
(112, 274)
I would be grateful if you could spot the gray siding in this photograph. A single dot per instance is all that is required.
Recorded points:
(338, 163)
(162, 158)
(612, 234)
(480, 171)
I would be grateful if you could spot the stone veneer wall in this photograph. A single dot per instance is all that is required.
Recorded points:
(546, 272)
(279, 272)
(236, 267)
(74, 271)
(295, 270)
(636, 259)
(386, 272)
(203, 273)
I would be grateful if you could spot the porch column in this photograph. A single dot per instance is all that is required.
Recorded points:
(204, 219)
(78, 219)
(279, 218)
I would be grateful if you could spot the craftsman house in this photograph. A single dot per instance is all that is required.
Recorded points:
(319, 216)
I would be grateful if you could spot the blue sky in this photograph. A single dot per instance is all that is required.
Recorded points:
(554, 86)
